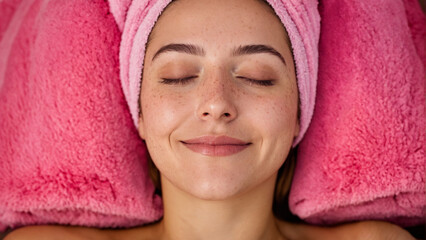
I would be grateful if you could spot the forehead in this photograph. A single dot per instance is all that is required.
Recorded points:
(219, 23)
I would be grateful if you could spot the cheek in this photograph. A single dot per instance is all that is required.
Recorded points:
(161, 112)
(276, 116)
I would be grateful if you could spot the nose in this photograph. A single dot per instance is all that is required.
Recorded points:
(216, 101)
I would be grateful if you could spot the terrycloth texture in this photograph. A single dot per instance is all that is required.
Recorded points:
(364, 154)
(300, 18)
(69, 152)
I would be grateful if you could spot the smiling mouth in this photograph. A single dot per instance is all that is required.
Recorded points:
(216, 145)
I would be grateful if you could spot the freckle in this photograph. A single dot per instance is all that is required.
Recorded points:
(234, 91)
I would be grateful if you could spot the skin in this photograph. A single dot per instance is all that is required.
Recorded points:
(218, 197)
(218, 100)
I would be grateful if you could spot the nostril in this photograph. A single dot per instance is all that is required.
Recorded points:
(224, 115)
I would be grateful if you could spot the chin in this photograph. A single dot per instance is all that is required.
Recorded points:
(214, 187)
(215, 192)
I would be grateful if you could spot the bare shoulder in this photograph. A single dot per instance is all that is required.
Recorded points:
(380, 230)
(47, 232)
(365, 230)
(57, 232)
(83, 233)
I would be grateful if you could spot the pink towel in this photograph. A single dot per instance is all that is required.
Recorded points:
(69, 152)
(364, 154)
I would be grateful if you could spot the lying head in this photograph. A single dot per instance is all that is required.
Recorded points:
(215, 69)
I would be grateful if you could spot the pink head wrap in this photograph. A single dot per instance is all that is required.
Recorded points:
(300, 18)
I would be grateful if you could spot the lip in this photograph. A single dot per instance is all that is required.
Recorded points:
(216, 145)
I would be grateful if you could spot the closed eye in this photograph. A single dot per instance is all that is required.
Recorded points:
(177, 81)
(257, 82)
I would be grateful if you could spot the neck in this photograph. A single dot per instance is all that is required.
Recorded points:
(246, 216)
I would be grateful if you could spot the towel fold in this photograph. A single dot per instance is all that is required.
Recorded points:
(364, 154)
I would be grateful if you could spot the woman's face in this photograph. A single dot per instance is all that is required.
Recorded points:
(219, 96)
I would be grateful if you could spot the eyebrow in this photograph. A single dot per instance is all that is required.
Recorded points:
(198, 51)
(257, 48)
(182, 48)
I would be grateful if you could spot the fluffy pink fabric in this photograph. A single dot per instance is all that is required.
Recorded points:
(300, 17)
(69, 151)
(364, 154)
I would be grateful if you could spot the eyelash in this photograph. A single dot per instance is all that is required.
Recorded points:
(183, 81)
(179, 81)
(258, 82)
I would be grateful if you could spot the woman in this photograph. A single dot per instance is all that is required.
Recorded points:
(219, 114)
